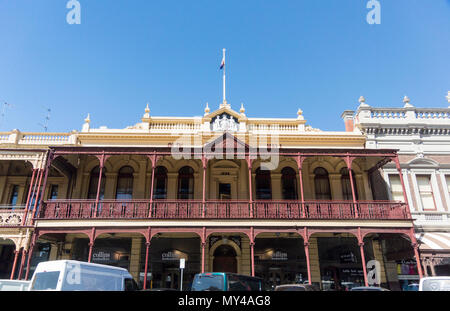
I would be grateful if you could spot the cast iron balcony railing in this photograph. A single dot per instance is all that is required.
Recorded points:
(195, 209)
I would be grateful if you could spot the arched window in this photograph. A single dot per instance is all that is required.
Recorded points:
(322, 184)
(160, 188)
(263, 185)
(186, 183)
(346, 186)
(124, 189)
(289, 183)
(93, 184)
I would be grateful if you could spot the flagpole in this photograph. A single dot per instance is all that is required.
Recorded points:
(224, 86)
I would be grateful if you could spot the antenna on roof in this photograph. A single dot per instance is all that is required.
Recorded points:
(46, 120)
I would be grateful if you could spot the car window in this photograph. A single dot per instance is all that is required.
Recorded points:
(45, 280)
(208, 283)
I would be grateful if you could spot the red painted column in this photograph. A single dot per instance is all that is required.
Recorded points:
(153, 159)
(147, 247)
(203, 249)
(47, 170)
(30, 190)
(308, 262)
(13, 271)
(205, 166)
(97, 198)
(300, 160)
(22, 263)
(250, 186)
(405, 197)
(349, 162)
(37, 194)
(30, 254)
(252, 250)
(91, 244)
(415, 245)
(363, 257)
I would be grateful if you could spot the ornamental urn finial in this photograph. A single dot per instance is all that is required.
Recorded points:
(362, 100)
(448, 97)
(207, 110)
(88, 118)
(242, 110)
(300, 114)
(407, 101)
(147, 112)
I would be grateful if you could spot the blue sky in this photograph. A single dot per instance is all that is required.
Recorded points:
(319, 56)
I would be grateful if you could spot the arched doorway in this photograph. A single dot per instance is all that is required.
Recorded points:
(225, 259)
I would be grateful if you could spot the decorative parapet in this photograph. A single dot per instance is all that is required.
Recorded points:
(403, 116)
(38, 139)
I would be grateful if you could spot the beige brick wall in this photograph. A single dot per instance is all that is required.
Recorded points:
(246, 263)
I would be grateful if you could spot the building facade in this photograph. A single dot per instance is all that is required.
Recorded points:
(274, 198)
(422, 136)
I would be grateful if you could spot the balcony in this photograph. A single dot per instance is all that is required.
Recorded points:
(213, 210)
(12, 216)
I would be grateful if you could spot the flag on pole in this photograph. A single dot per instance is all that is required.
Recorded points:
(222, 64)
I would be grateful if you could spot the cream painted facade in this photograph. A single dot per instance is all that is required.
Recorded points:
(422, 136)
(69, 178)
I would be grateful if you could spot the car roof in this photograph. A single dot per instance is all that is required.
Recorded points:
(83, 263)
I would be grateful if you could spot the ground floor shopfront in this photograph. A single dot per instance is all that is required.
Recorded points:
(331, 258)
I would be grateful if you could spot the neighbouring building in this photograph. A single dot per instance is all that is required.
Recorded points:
(422, 136)
(273, 197)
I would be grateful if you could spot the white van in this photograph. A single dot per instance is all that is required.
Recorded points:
(435, 284)
(13, 285)
(70, 275)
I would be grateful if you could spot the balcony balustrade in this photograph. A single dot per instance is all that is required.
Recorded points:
(196, 209)
(12, 216)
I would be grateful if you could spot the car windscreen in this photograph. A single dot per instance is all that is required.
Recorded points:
(45, 280)
(243, 283)
(208, 283)
(442, 285)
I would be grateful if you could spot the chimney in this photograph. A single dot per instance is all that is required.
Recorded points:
(348, 120)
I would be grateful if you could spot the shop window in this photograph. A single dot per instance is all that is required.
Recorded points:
(93, 184)
(346, 185)
(289, 183)
(263, 185)
(124, 189)
(322, 184)
(14, 195)
(53, 194)
(396, 188)
(426, 192)
(186, 183)
(160, 189)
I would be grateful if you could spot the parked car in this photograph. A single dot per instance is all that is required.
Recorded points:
(369, 289)
(221, 281)
(160, 290)
(14, 286)
(435, 284)
(296, 288)
(70, 275)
